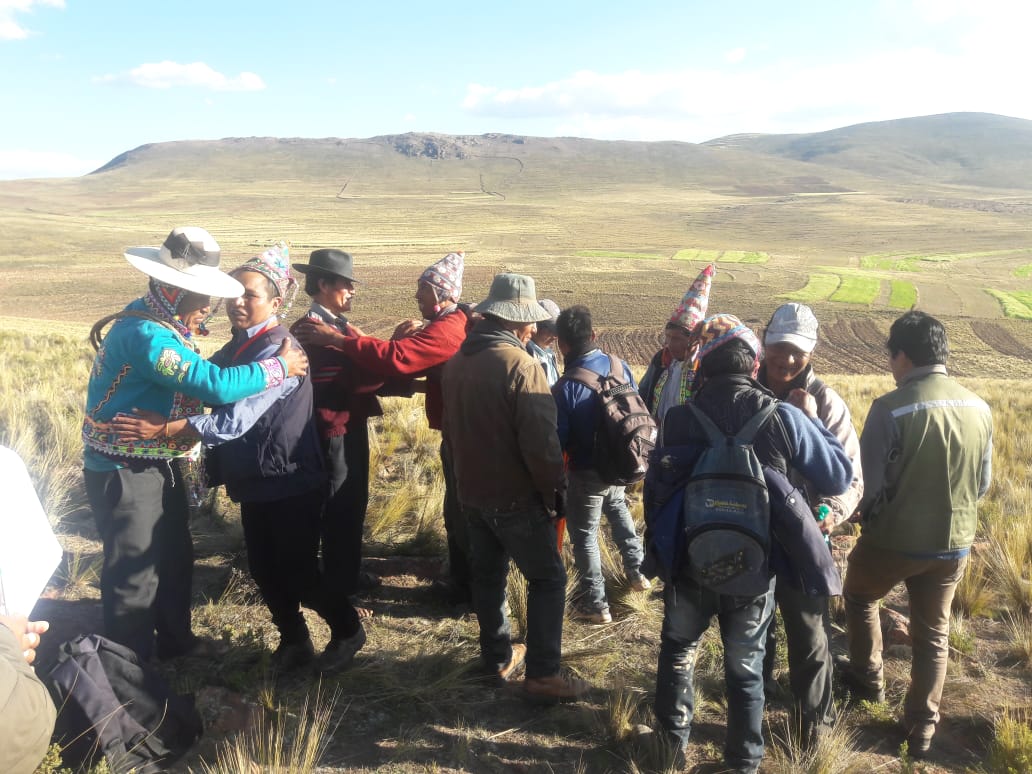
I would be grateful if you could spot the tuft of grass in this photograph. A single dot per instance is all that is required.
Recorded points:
(516, 594)
(834, 751)
(962, 638)
(1019, 634)
(1011, 749)
(1008, 568)
(281, 741)
(974, 595)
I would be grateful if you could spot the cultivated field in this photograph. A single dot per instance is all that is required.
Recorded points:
(624, 230)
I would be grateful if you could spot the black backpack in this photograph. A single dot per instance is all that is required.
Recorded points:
(627, 432)
(110, 704)
(727, 511)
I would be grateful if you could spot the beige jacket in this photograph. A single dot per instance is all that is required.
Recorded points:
(500, 423)
(26, 712)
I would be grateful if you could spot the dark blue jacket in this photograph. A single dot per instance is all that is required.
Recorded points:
(578, 410)
(789, 441)
(280, 456)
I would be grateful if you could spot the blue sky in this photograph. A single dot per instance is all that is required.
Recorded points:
(84, 80)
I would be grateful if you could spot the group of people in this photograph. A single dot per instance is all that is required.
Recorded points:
(286, 435)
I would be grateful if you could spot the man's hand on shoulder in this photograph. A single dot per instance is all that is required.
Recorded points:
(317, 333)
(296, 359)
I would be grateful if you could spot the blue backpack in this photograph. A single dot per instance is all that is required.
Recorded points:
(726, 511)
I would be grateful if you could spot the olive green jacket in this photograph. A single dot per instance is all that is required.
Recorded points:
(926, 451)
(26, 712)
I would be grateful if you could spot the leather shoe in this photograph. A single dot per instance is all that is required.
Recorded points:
(860, 689)
(554, 689)
(339, 653)
(293, 655)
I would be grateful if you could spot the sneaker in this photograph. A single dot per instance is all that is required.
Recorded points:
(597, 617)
(554, 689)
(640, 583)
(519, 655)
(340, 652)
(860, 688)
(293, 655)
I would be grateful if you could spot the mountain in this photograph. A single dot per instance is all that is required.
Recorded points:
(969, 149)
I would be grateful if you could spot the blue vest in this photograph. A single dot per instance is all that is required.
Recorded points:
(280, 455)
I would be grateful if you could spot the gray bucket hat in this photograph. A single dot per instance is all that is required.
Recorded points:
(512, 298)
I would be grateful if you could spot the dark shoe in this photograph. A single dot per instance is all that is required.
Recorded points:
(918, 747)
(451, 593)
(293, 655)
(597, 617)
(367, 581)
(860, 688)
(341, 652)
(554, 689)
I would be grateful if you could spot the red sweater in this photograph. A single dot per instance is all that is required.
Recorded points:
(424, 353)
(344, 392)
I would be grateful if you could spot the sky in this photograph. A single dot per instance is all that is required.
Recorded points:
(82, 81)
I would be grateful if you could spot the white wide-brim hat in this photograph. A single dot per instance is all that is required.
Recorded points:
(188, 259)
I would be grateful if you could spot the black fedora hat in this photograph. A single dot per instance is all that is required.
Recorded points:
(329, 261)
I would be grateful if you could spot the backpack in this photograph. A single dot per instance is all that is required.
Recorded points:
(112, 705)
(627, 431)
(726, 526)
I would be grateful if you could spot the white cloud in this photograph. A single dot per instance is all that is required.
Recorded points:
(16, 164)
(785, 96)
(10, 29)
(734, 56)
(167, 75)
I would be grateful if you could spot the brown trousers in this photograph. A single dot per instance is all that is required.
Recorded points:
(931, 583)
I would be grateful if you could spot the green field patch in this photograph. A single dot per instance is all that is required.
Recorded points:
(1024, 271)
(818, 287)
(617, 254)
(857, 290)
(723, 256)
(1015, 305)
(903, 294)
(914, 262)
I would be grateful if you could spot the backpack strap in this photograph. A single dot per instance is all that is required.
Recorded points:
(746, 435)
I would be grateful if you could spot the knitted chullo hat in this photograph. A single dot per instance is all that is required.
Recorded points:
(719, 329)
(446, 276)
(692, 308)
(274, 265)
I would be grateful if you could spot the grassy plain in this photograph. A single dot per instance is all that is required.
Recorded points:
(595, 223)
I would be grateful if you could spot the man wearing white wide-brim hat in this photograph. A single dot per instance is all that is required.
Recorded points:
(149, 361)
(500, 431)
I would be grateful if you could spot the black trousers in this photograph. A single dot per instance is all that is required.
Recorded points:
(282, 552)
(343, 517)
(142, 517)
(457, 528)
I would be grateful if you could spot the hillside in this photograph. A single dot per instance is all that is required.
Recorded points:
(620, 226)
(968, 149)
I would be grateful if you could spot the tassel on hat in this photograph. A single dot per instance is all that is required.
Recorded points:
(692, 309)
(446, 275)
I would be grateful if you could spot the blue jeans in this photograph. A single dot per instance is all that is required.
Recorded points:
(587, 498)
(528, 536)
(743, 630)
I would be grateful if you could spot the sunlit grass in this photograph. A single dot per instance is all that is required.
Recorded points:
(903, 294)
(818, 287)
(857, 290)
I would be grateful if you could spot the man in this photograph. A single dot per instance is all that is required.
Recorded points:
(588, 497)
(789, 342)
(266, 451)
(500, 430)
(540, 345)
(149, 361)
(669, 379)
(927, 453)
(27, 714)
(420, 349)
(726, 391)
(344, 401)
